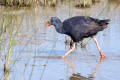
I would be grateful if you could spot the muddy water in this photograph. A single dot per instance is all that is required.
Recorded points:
(36, 50)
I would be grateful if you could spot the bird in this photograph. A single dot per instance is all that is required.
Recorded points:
(78, 28)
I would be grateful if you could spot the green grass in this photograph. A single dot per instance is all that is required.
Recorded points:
(5, 43)
(9, 27)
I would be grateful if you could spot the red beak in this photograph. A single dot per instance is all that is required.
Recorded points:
(47, 24)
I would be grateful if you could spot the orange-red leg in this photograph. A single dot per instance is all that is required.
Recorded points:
(70, 50)
(98, 46)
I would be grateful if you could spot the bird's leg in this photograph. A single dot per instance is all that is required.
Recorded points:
(70, 50)
(71, 44)
(98, 46)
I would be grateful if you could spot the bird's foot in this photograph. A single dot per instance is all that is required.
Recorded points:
(102, 55)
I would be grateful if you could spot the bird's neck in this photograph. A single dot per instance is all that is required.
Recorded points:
(59, 27)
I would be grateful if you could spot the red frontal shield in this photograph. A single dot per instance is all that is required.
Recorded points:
(47, 24)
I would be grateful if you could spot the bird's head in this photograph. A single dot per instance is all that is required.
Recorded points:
(53, 21)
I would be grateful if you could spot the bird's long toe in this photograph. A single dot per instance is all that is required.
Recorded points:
(102, 55)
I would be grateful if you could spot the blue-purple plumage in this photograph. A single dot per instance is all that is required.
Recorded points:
(79, 27)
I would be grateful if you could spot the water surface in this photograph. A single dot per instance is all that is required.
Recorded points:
(36, 50)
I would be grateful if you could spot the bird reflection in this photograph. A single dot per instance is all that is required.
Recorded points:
(97, 67)
(78, 76)
(69, 64)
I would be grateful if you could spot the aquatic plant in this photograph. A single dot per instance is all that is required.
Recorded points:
(5, 46)
(9, 26)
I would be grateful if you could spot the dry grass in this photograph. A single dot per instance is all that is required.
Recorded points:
(51, 3)
(18, 2)
(85, 3)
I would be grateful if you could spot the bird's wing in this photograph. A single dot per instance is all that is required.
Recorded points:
(81, 27)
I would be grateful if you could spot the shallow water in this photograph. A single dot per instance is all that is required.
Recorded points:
(36, 50)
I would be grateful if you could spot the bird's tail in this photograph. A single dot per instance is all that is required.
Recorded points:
(104, 22)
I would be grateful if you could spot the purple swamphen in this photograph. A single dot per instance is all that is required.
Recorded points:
(78, 28)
